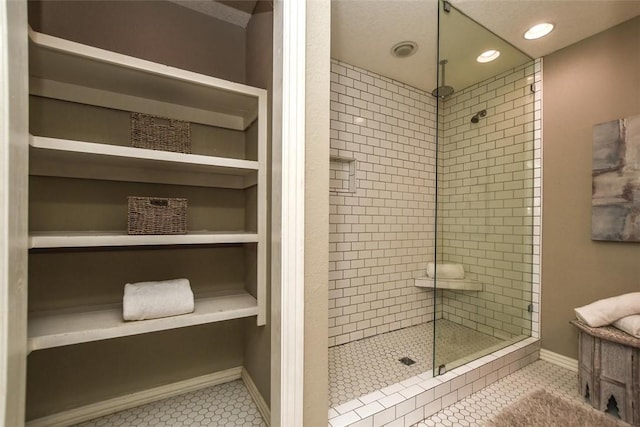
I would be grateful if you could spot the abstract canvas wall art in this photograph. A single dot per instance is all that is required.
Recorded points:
(615, 191)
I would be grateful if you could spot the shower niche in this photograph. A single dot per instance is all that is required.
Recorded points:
(342, 175)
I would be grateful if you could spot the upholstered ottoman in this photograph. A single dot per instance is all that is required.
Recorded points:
(609, 370)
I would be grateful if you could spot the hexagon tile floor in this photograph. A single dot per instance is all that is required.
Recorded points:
(478, 408)
(364, 366)
(222, 405)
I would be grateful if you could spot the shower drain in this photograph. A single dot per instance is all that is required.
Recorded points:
(407, 361)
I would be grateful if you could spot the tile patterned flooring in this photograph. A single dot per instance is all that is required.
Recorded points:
(361, 367)
(229, 404)
(222, 405)
(365, 366)
(478, 408)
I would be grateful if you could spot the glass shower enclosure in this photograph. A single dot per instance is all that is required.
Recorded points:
(485, 192)
(434, 194)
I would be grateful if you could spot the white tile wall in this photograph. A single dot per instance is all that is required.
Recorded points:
(381, 235)
(489, 200)
(382, 232)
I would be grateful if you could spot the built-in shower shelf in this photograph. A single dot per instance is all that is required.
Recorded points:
(455, 284)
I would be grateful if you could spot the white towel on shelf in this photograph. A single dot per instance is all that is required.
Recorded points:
(150, 300)
(606, 311)
(445, 271)
(629, 324)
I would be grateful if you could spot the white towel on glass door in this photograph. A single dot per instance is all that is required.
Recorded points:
(151, 300)
(445, 271)
(606, 311)
(629, 324)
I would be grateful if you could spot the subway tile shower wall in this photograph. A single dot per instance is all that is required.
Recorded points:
(489, 201)
(381, 231)
(382, 228)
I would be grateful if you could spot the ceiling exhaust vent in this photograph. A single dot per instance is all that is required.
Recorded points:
(404, 49)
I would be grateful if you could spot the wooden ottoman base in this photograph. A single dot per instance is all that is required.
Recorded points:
(609, 371)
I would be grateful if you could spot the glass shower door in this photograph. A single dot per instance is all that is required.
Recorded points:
(485, 192)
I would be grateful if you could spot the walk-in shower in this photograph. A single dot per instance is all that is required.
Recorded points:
(422, 177)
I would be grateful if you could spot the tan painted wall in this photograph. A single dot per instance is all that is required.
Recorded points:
(257, 347)
(159, 31)
(316, 246)
(593, 81)
(66, 377)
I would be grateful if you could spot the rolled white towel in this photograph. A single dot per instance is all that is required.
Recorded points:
(445, 271)
(150, 300)
(606, 311)
(629, 324)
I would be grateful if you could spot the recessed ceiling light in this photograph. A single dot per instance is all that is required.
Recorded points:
(404, 49)
(488, 56)
(539, 30)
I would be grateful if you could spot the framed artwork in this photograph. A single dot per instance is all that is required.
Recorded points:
(615, 192)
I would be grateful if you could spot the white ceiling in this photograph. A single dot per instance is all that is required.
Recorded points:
(575, 19)
(363, 32)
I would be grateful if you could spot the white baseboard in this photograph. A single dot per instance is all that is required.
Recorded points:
(110, 406)
(558, 359)
(263, 408)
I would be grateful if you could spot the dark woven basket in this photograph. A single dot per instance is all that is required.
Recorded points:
(158, 133)
(154, 215)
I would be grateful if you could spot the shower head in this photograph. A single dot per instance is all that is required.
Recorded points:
(444, 90)
(476, 118)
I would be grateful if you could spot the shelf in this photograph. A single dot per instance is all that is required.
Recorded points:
(60, 328)
(452, 284)
(101, 239)
(77, 159)
(69, 71)
(75, 72)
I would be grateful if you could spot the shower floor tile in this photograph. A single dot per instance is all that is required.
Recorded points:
(478, 408)
(361, 367)
(225, 405)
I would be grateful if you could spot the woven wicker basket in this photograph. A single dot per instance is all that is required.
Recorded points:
(158, 133)
(153, 215)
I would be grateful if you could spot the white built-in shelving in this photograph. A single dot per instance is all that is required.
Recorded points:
(89, 239)
(70, 71)
(78, 159)
(86, 324)
(74, 72)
